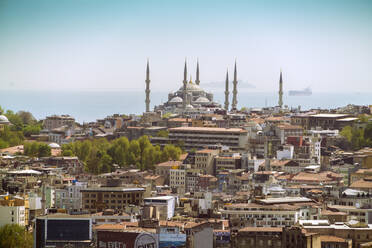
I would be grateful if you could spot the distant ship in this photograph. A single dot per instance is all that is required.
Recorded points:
(305, 92)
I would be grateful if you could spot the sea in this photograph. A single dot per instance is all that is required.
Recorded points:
(89, 105)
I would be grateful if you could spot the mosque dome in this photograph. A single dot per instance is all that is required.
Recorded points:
(4, 119)
(189, 106)
(191, 87)
(202, 99)
(176, 99)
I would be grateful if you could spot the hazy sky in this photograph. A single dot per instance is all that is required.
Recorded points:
(100, 44)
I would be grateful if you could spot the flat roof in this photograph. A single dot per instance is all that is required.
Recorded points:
(284, 200)
(209, 129)
(348, 119)
(64, 216)
(329, 115)
(112, 189)
(167, 197)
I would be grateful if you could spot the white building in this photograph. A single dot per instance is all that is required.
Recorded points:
(12, 215)
(169, 202)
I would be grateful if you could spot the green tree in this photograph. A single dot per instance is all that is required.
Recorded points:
(36, 149)
(31, 130)
(106, 163)
(163, 134)
(44, 150)
(10, 138)
(347, 133)
(67, 153)
(26, 117)
(84, 150)
(15, 236)
(144, 143)
(170, 152)
(15, 120)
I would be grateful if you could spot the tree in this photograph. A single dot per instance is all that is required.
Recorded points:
(15, 120)
(106, 163)
(36, 149)
(10, 138)
(170, 152)
(26, 117)
(163, 134)
(347, 133)
(144, 144)
(31, 130)
(44, 150)
(15, 236)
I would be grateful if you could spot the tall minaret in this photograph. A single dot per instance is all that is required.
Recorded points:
(227, 91)
(147, 101)
(235, 90)
(197, 81)
(184, 85)
(280, 103)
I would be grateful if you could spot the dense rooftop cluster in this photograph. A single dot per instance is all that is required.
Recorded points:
(271, 177)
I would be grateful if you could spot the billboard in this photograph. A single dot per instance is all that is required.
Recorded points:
(172, 240)
(112, 239)
(68, 229)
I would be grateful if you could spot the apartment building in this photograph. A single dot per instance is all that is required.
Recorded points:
(201, 137)
(13, 210)
(257, 215)
(69, 197)
(228, 162)
(99, 199)
(177, 179)
(204, 160)
(56, 121)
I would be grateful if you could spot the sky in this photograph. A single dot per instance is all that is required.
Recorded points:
(103, 45)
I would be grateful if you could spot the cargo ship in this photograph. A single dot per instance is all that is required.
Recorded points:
(305, 92)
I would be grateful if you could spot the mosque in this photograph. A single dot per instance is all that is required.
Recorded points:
(190, 98)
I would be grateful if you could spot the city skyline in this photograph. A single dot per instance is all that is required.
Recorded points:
(92, 45)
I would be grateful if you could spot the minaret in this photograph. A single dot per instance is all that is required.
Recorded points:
(235, 90)
(280, 103)
(197, 81)
(227, 91)
(184, 85)
(147, 101)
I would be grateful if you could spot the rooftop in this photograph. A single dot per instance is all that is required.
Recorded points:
(284, 200)
(112, 189)
(209, 129)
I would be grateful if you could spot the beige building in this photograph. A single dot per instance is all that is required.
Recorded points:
(177, 179)
(163, 169)
(297, 237)
(204, 160)
(264, 237)
(99, 199)
(56, 121)
(201, 137)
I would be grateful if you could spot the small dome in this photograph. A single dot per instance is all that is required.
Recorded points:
(54, 145)
(176, 99)
(202, 99)
(189, 106)
(4, 120)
